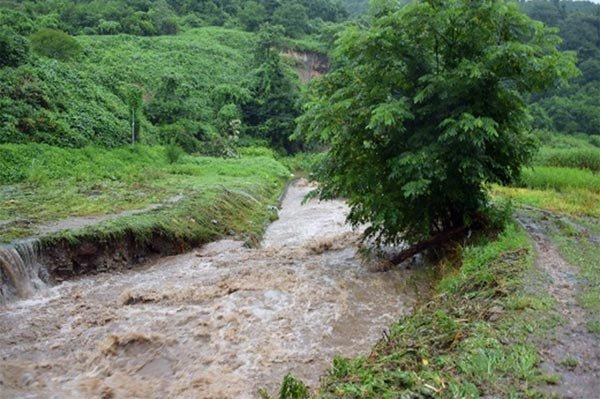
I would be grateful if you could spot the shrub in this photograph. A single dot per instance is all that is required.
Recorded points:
(173, 152)
(14, 49)
(55, 44)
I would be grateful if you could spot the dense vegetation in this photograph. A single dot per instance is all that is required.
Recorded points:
(202, 88)
(168, 17)
(569, 109)
(576, 108)
(432, 98)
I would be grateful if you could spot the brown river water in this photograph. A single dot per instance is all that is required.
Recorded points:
(220, 322)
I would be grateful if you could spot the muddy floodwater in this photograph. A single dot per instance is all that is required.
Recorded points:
(220, 322)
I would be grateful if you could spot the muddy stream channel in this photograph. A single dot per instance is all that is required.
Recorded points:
(219, 322)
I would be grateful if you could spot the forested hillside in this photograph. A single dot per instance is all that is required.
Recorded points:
(199, 74)
(576, 108)
(167, 17)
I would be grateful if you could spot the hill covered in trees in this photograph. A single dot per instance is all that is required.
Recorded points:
(200, 74)
(576, 108)
(167, 17)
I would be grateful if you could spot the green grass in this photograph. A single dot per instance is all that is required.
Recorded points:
(580, 158)
(569, 191)
(560, 179)
(302, 163)
(43, 184)
(564, 190)
(570, 202)
(469, 340)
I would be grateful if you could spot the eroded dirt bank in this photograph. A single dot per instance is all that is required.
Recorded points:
(218, 323)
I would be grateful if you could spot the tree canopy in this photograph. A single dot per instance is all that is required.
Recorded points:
(426, 108)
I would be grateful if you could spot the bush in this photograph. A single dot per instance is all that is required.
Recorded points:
(255, 151)
(55, 44)
(173, 152)
(14, 49)
(180, 134)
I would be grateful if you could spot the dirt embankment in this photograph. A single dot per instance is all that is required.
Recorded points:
(308, 64)
(65, 259)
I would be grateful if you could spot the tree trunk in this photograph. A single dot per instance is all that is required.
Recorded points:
(132, 126)
(435, 241)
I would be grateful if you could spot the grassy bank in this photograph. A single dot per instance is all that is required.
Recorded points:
(564, 178)
(470, 340)
(41, 184)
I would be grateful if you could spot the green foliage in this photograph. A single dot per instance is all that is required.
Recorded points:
(43, 183)
(14, 49)
(292, 388)
(573, 109)
(274, 104)
(293, 17)
(252, 15)
(42, 163)
(563, 141)
(469, 340)
(150, 18)
(94, 99)
(560, 179)
(584, 158)
(303, 163)
(55, 44)
(173, 152)
(426, 109)
(56, 103)
(134, 99)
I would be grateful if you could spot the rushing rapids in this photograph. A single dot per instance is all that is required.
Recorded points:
(219, 323)
(21, 274)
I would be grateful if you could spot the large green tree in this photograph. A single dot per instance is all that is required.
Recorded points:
(426, 109)
(271, 111)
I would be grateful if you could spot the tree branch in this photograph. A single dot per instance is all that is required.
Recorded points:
(444, 237)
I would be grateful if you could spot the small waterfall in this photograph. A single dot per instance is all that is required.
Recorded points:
(21, 273)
